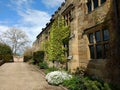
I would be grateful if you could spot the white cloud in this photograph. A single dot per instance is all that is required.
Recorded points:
(21, 3)
(32, 21)
(52, 3)
(35, 17)
(3, 28)
(32, 32)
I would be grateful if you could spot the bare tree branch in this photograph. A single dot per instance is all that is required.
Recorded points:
(16, 39)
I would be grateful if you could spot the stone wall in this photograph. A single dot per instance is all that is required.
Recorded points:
(78, 44)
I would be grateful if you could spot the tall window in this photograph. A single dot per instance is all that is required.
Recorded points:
(99, 44)
(91, 40)
(105, 35)
(67, 18)
(89, 5)
(98, 36)
(95, 3)
(102, 1)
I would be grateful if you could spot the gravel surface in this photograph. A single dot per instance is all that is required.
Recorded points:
(22, 76)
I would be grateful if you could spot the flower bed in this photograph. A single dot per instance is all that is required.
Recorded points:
(57, 77)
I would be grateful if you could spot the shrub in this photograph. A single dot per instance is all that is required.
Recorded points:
(31, 61)
(38, 56)
(5, 49)
(43, 65)
(8, 58)
(85, 83)
(73, 83)
(27, 58)
(51, 69)
(79, 71)
(57, 77)
(6, 53)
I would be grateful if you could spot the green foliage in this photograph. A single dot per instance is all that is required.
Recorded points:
(115, 86)
(80, 71)
(38, 57)
(31, 61)
(58, 38)
(50, 69)
(72, 84)
(6, 53)
(85, 83)
(5, 49)
(8, 58)
(27, 58)
(43, 65)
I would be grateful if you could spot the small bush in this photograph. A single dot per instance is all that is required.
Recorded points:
(38, 56)
(43, 65)
(6, 53)
(85, 83)
(5, 49)
(51, 69)
(8, 58)
(57, 77)
(27, 58)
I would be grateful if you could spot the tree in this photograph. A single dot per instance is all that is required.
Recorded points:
(16, 39)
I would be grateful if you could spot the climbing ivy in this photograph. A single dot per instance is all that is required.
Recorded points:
(59, 34)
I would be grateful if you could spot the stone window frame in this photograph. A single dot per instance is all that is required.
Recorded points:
(98, 46)
(104, 43)
(67, 18)
(68, 14)
(90, 3)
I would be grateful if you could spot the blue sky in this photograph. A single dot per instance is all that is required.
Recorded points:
(29, 15)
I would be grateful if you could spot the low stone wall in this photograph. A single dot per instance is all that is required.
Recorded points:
(18, 59)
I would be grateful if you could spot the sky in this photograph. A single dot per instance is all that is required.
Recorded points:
(28, 15)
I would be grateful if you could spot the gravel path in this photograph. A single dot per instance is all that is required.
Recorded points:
(22, 76)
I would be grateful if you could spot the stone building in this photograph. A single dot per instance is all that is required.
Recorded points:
(93, 27)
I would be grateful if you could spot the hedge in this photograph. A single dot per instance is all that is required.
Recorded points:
(5, 53)
(6, 58)
(38, 57)
(27, 58)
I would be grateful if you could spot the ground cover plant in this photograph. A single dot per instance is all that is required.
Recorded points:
(57, 77)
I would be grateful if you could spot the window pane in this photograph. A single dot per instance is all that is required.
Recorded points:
(89, 5)
(95, 3)
(92, 52)
(106, 48)
(99, 51)
(106, 35)
(91, 38)
(97, 35)
(102, 1)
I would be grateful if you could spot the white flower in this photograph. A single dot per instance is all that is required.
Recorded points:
(57, 77)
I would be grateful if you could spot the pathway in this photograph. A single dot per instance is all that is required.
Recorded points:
(22, 76)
